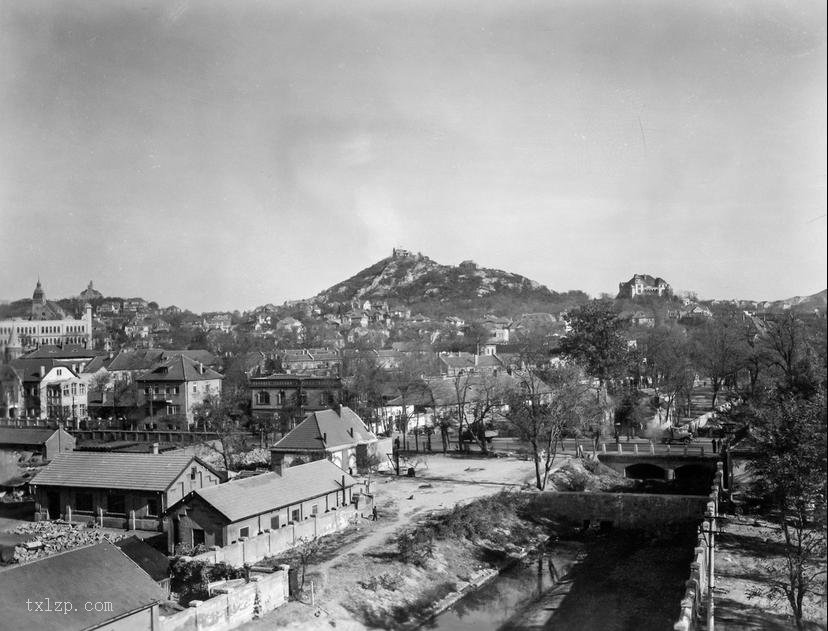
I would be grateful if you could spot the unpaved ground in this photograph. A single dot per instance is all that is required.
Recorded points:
(748, 551)
(360, 569)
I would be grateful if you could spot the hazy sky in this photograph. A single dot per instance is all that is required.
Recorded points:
(228, 154)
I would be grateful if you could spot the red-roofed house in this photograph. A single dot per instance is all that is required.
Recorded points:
(336, 435)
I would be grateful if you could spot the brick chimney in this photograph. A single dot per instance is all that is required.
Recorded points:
(277, 463)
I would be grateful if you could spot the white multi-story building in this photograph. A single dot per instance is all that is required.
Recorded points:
(46, 325)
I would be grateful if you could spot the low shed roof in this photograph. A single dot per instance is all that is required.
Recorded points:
(25, 436)
(98, 573)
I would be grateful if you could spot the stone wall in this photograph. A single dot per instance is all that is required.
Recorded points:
(698, 594)
(264, 593)
(624, 510)
(273, 542)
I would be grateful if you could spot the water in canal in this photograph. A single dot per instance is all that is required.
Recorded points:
(613, 581)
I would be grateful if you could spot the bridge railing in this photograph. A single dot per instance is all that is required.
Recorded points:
(697, 602)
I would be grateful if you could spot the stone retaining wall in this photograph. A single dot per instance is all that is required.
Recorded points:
(264, 593)
(624, 510)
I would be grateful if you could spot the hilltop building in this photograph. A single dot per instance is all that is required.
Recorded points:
(90, 293)
(644, 285)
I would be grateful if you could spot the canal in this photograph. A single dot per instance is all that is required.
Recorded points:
(599, 581)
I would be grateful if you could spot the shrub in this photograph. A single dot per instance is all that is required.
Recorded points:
(416, 546)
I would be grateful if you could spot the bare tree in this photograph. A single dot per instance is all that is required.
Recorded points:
(719, 353)
(214, 414)
(667, 352)
(540, 412)
(790, 470)
(306, 553)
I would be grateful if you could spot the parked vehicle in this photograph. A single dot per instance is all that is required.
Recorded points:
(676, 435)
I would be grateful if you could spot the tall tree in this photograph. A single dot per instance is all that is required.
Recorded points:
(595, 341)
(667, 352)
(719, 353)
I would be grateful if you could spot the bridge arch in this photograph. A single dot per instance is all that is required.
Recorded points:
(697, 476)
(645, 471)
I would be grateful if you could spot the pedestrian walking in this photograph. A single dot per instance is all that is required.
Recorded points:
(374, 514)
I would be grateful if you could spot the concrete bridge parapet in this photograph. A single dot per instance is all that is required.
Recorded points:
(630, 462)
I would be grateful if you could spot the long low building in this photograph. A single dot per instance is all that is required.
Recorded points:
(44, 441)
(117, 489)
(222, 515)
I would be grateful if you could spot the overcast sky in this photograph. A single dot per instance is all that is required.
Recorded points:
(229, 154)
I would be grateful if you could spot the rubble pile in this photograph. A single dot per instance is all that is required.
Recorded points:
(253, 457)
(586, 475)
(46, 538)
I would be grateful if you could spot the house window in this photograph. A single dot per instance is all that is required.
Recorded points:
(274, 522)
(116, 504)
(152, 507)
(193, 473)
(315, 509)
(280, 397)
(173, 409)
(303, 398)
(198, 537)
(83, 502)
(195, 387)
(82, 389)
(156, 389)
(147, 391)
(294, 515)
(263, 398)
(174, 390)
(244, 532)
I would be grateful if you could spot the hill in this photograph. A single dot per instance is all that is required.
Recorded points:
(428, 287)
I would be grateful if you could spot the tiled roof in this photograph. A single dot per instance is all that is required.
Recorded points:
(73, 351)
(261, 493)
(96, 364)
(466, 360)
(98, 573)
(144, 359)
(326, 429)
(469, 389)
(139, 472)
(29, 369)
(179, 368)
(136, 360)
(25, 436)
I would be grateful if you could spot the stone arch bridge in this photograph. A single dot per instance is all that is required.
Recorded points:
(678, 463)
